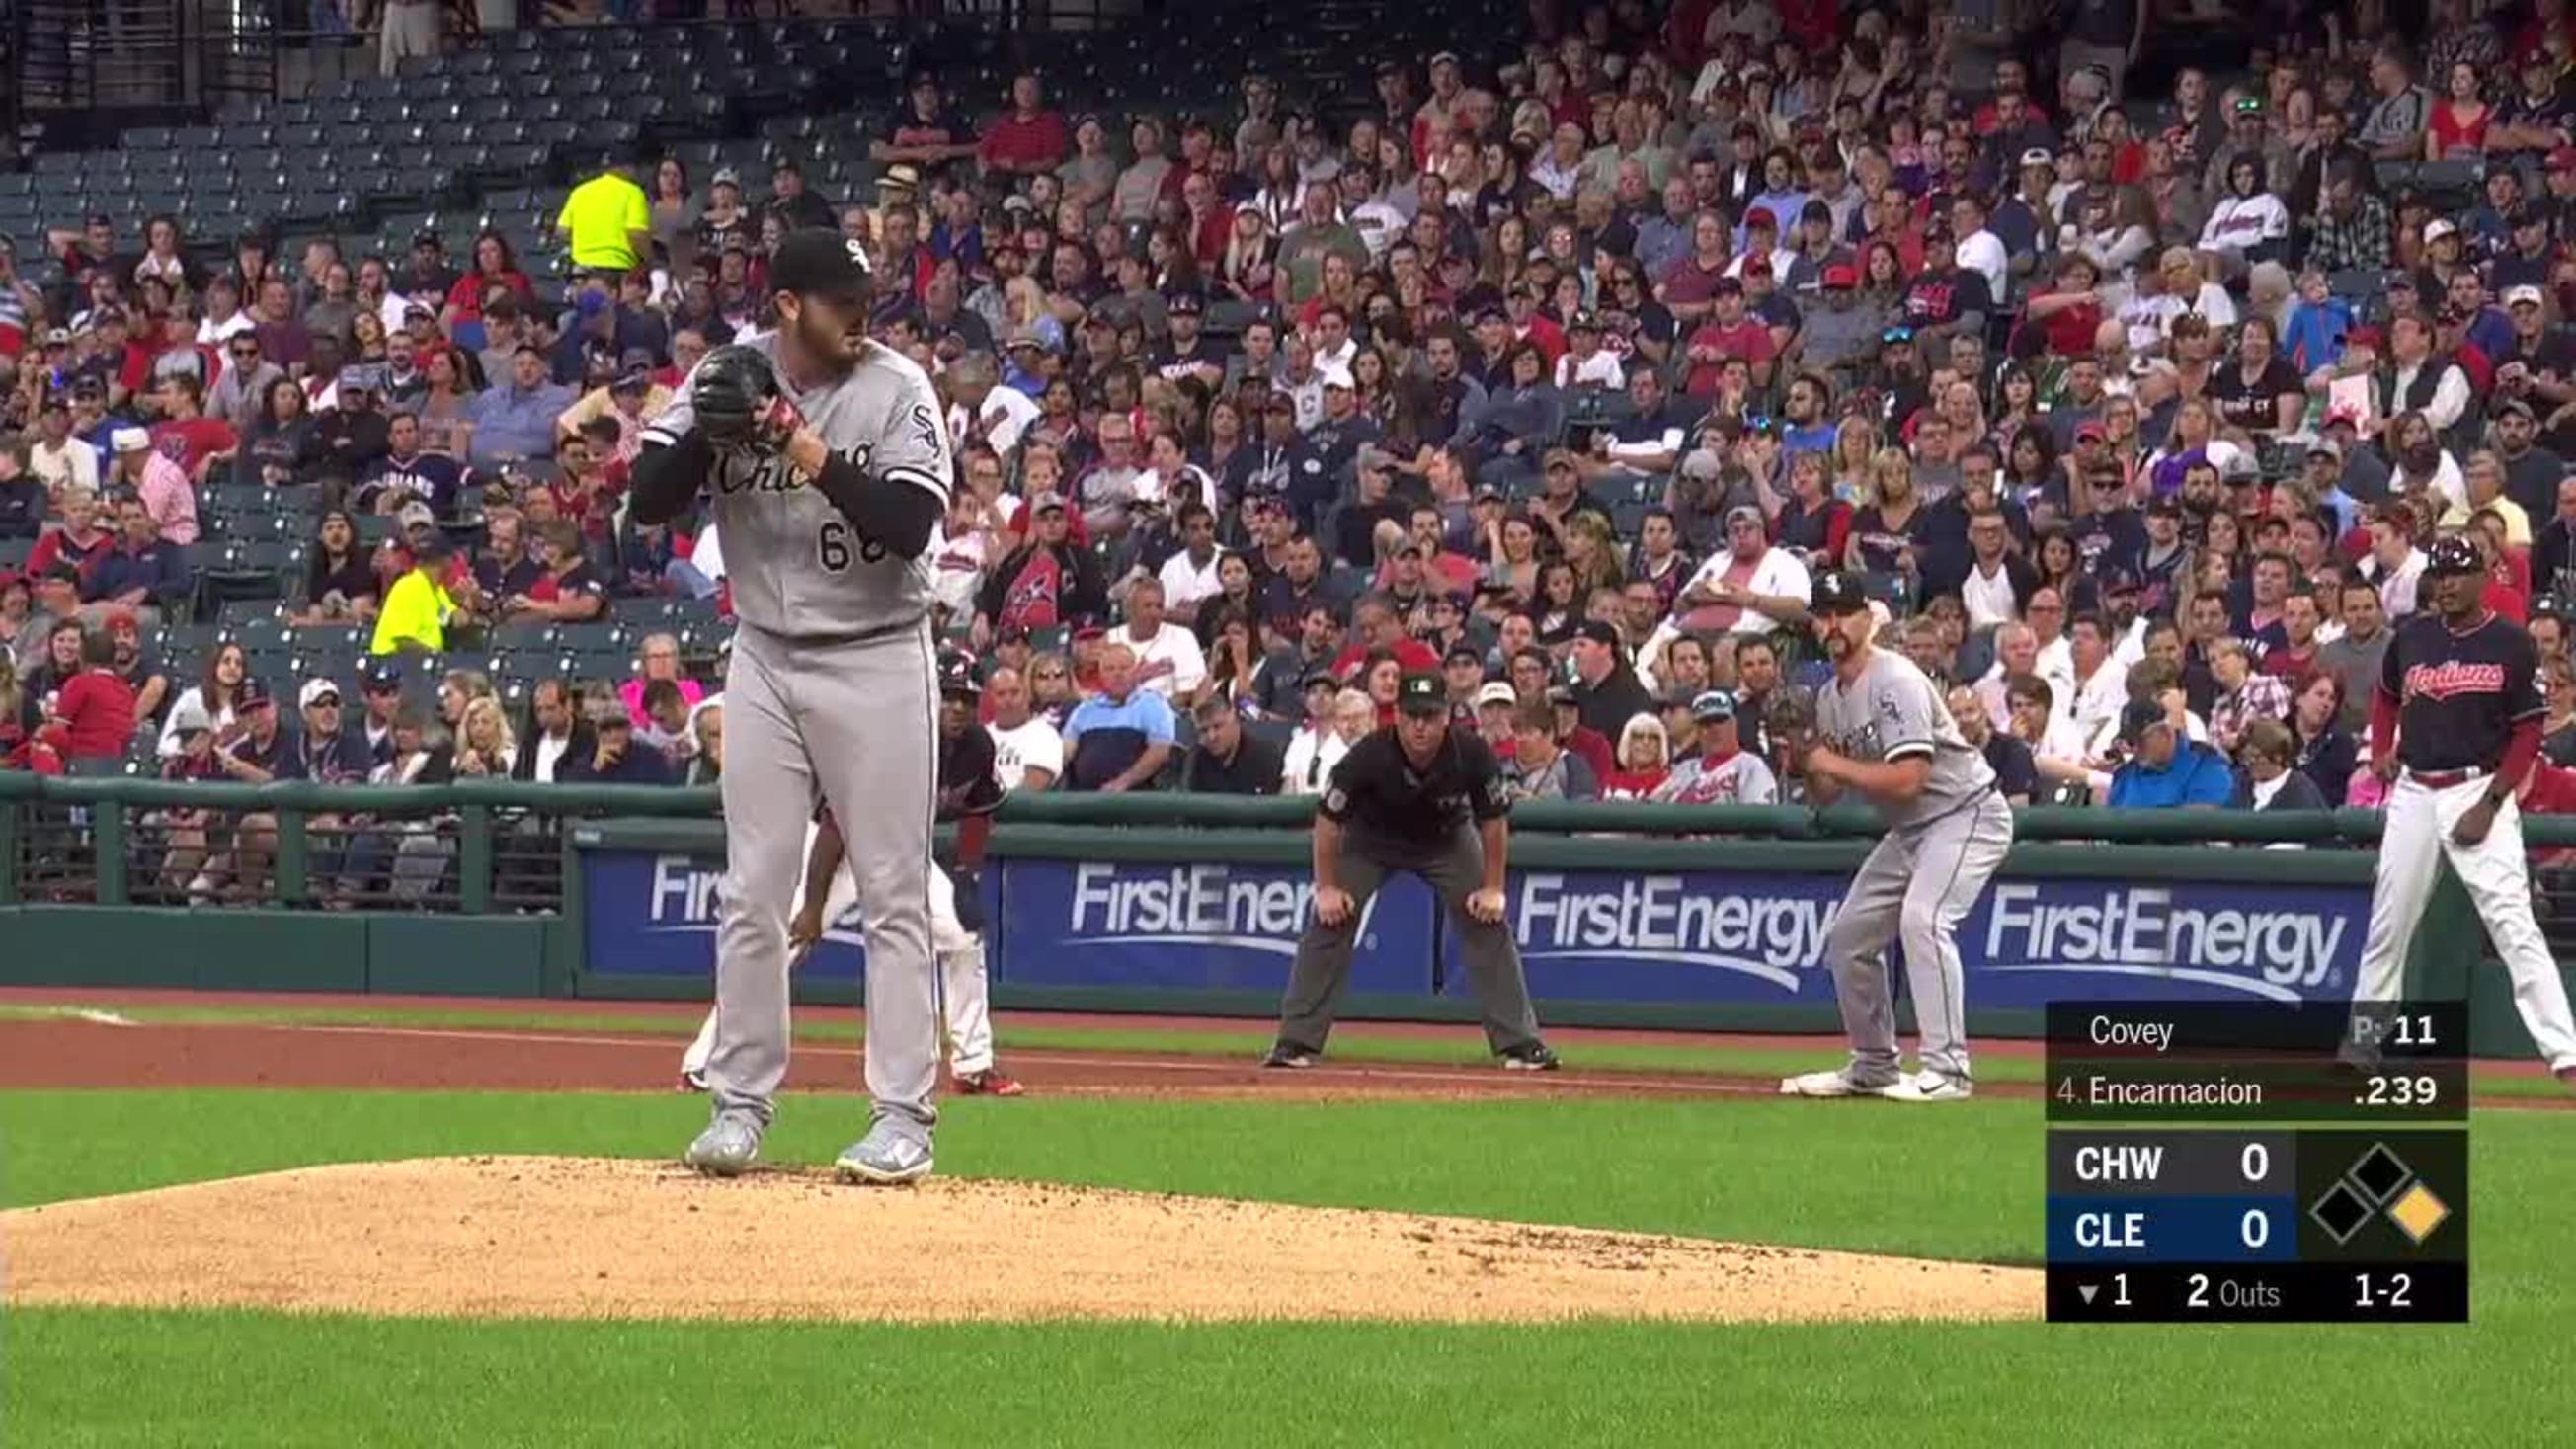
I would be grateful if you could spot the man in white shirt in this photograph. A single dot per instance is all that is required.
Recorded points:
(2016, 654)
(1189, 577)
(2101, 683)
(978, 405)
(61, 460)
(1980, 250)
(558, 730)
(1749, 587)
(2410, 349)
(1992, 591)
(224, 314)
(1378, 223)
(1028, 754)
(2056, 658)
(2396, 565)
(1168, 659)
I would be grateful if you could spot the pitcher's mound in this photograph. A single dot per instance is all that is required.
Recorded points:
(580, 1238)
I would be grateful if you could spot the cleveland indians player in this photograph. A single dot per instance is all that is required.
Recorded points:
(1883, 732)
(969, 791)
(826, 464)
(2454, 726)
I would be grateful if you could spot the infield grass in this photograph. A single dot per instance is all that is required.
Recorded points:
(1954, 1182)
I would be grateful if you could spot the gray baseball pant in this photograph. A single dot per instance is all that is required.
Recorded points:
(1454, 870)
(856, 722)
(1914, 889)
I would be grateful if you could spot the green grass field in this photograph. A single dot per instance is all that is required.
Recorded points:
(1955, 1182)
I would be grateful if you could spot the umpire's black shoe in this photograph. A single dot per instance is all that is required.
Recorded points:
(1293, 1057)
(1534, 1057)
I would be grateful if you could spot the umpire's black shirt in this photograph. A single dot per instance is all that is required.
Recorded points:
(1377, 790)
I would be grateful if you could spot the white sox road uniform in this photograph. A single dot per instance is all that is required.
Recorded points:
(831, 692)
(965, 992)
(1923, 876)
(2457, 699)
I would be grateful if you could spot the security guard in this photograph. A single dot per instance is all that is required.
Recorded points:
(1403, 800)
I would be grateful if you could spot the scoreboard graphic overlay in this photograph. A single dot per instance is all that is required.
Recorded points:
(2235, 1162)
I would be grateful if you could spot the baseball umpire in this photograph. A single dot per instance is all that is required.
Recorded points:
(1403, 800)
(1882, 731)
(825, 459)
(2454, 726)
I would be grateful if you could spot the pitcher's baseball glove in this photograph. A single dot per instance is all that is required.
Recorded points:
(1789, 723)
(736, 399)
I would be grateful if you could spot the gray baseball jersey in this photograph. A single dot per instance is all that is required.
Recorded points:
(1894, 711)
(797, 567)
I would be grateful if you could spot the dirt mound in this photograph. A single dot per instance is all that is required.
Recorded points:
(580, 1238)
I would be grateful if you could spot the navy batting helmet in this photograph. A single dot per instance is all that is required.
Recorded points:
(2453, 554)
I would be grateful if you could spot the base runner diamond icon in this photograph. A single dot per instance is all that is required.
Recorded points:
(2418, 1212)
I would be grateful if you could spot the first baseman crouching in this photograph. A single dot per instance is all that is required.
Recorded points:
(1882, 731)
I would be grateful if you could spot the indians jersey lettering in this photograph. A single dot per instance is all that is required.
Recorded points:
(796, 566)
(2459, 695)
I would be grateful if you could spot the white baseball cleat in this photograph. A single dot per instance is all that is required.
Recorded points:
(1930, 1086)
(1838, 1082)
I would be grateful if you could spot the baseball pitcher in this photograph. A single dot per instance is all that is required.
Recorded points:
(1883, 732)
(825, 463)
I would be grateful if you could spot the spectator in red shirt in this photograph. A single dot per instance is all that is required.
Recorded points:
(185, 435)
(2069, 313)
(568, 592)
(1027, 139)
(1377, 627)
(61, 552)
(1727, 334)
(92, 718)
(495, 268)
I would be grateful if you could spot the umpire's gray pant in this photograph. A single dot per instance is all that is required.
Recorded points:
(1455, 870)
(1914, 889)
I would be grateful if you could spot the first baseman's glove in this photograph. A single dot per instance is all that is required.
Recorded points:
(735, 398)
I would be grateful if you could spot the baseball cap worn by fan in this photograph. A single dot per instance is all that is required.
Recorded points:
(818, 262)
(317, 691)
(1496, 693)
(1712, 705)
(1421, 695)
(2141, 716)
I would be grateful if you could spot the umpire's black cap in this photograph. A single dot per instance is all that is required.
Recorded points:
(1837, 592)
(819, 262)
(1421, 694)
(2453, 555)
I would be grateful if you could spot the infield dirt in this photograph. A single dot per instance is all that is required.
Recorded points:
(553, 1237)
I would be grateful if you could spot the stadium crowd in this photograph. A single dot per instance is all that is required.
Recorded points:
(2135, 404)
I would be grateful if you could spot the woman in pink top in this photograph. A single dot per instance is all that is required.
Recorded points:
(659, 659)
